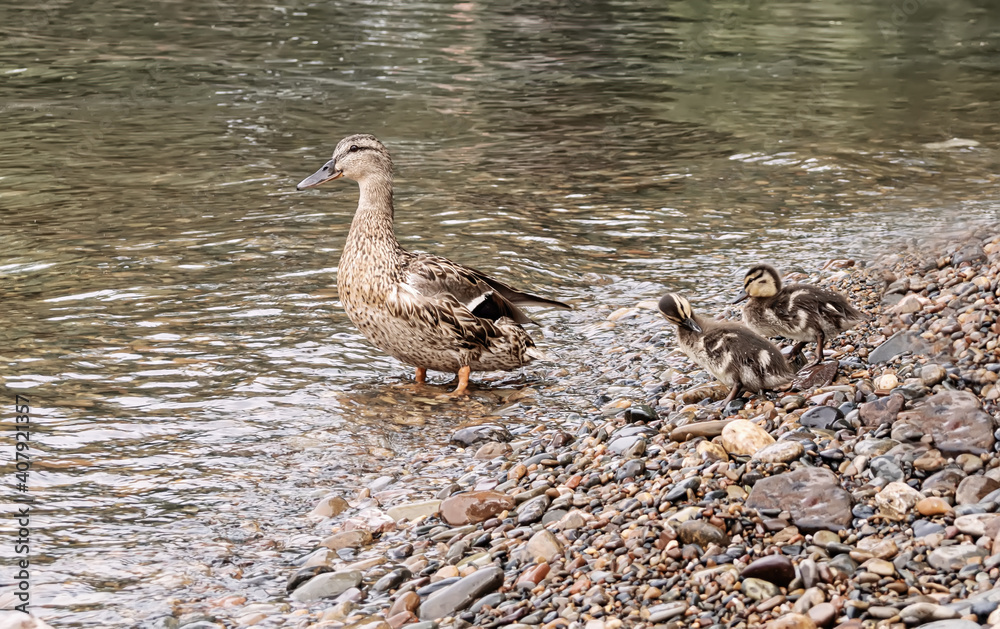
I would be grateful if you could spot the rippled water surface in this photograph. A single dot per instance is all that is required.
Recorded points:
(169, 299)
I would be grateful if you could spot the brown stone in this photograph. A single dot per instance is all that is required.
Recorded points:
(812, 495)
(956, 422)
(492, 450)
(933, 506)
(401, 619)
(348, 539)
(972, 489)
(330, 506)
(407, 602)
(792, 621)
(534, 575)
(777, 569)
(815, 376)
(713, 391)
(823, 614)
(474, 506)
(708, 430)
(930, 461)
(701, 533)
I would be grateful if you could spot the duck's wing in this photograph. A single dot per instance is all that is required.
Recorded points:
(515, 296)
(439, 278)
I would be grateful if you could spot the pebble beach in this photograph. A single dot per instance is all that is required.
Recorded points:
(867, 495)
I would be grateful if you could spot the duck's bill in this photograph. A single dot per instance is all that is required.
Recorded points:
(691, 325)
(743, 295)
(327, 173)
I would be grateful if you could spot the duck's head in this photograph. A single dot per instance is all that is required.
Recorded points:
(761, 280)
(356, 157)
(677, 310)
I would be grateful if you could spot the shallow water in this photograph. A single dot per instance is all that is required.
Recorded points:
(170, 307)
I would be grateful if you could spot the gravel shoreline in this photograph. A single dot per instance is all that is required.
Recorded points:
(865, 496)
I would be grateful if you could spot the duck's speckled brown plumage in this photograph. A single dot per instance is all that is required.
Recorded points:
(737, 356)
(799, 312)
(423, 309)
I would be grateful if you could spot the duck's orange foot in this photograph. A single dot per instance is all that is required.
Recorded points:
(463, 383)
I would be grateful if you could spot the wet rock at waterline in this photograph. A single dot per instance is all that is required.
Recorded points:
(460, 595)
(327, 585)
(473, 507)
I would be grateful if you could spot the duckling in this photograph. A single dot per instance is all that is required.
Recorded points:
(425, 310)
(738, 357)
(800, 312)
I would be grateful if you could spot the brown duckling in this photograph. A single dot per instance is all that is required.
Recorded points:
(737, 356)
(800, 312)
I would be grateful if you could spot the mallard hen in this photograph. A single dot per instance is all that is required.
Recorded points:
(738, 357)
(799, 312)
(425, 310)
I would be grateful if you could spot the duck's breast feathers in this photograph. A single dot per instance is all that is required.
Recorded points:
(435, 277)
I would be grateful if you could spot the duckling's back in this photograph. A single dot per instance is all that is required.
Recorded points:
(739, 354)
(799, 311)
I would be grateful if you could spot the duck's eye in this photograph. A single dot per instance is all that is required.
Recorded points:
(354, 148)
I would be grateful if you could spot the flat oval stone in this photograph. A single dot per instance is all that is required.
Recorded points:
(758, 589)
(327, 585)
(780, 452)
(745, 437)
(777, 569)
(474, 506)
(954, 558)
(972, 489)
(821, 417)
(811, 495)
(484, 432)
(347, 539)
(975, 524)
(709, 430)
(956, 421)
(460, 595)
(701, 533)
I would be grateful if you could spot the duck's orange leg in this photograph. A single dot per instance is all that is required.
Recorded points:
(421, 377)
(463, 381)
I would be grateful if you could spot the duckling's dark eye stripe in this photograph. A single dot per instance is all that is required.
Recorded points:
(753, 278)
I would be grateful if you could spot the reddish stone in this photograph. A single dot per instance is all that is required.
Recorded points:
(474, 506)
(407, 602)
(401, 619)
(582, 585)
(534, 575)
